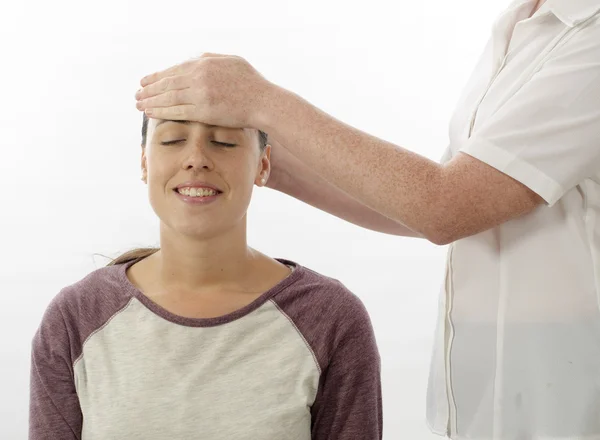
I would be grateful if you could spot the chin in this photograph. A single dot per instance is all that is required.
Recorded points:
(197, 232)
(198, 227)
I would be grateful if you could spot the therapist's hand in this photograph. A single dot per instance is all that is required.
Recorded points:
(214, 89)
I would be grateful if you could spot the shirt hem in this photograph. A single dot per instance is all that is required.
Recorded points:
(515, 167)
(436, 431)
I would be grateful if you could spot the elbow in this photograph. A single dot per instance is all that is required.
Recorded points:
(448, 231)
(442, 231)
(446, 220)
(439, 219)
(442, 241)
(439, 237)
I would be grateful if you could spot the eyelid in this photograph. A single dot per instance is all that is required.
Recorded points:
(172, 142)
(175, 141)
(224, 144)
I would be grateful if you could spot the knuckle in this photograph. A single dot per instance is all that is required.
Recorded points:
(198, 67)
(199, 75)
(177, 82)
(209, 62)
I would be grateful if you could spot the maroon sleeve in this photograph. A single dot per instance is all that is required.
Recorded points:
(72, 316)
(349, 402)
(54, 411)
(335, 324)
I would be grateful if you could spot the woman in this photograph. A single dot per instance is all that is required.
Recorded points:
(204, 338)
(517, 195)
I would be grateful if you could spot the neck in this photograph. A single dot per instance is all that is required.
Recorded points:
(189, 264)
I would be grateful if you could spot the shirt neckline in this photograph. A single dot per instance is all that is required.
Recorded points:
(297, 273)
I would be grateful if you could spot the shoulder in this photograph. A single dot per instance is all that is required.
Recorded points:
(100, 290)
(582, 43)
(326, 295)
(81, 308)
(325, 312)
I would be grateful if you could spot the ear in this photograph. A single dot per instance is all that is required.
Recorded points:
(144, 166)
(264, 167)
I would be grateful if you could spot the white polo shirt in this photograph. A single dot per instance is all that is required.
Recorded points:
(517, 353)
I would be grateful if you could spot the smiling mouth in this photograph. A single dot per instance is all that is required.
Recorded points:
(197, 192)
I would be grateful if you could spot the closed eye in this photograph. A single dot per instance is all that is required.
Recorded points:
(224, 144)
(176, 141)
(172, 142)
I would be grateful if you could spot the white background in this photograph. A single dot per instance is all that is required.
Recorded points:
(70, 136)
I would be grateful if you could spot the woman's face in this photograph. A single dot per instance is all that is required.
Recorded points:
(200, 178)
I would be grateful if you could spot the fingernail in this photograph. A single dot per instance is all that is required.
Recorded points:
(138, 93)
(148, 111)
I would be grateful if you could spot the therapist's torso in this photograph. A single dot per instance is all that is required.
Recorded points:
(517, 353)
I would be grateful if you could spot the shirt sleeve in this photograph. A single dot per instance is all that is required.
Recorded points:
(54, 410)
(349, 401)
(547, 135)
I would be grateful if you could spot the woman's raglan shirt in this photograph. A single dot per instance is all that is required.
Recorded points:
(299, 363)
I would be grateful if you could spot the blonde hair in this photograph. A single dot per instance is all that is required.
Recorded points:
(135, 254)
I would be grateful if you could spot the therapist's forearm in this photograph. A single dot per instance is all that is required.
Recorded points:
(392, 181)
(296, 179)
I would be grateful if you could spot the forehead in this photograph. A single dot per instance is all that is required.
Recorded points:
(164, 123)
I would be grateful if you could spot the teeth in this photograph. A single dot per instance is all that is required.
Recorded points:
(197, 192)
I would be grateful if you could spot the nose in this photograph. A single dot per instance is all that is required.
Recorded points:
(197, 156)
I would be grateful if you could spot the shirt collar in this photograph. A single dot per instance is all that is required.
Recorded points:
(572, 12)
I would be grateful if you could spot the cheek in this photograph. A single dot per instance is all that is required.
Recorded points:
(159, 167)
(240, 168)
(246, 175)
(160, 175)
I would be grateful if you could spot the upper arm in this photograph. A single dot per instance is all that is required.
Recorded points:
(544, 141)
(475, 197)
(54, 410)
(349, 403)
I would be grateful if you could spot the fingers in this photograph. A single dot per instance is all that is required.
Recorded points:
(168, 94)
(167, 99)
(162, 86)
(178, 69)
(175, 113)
